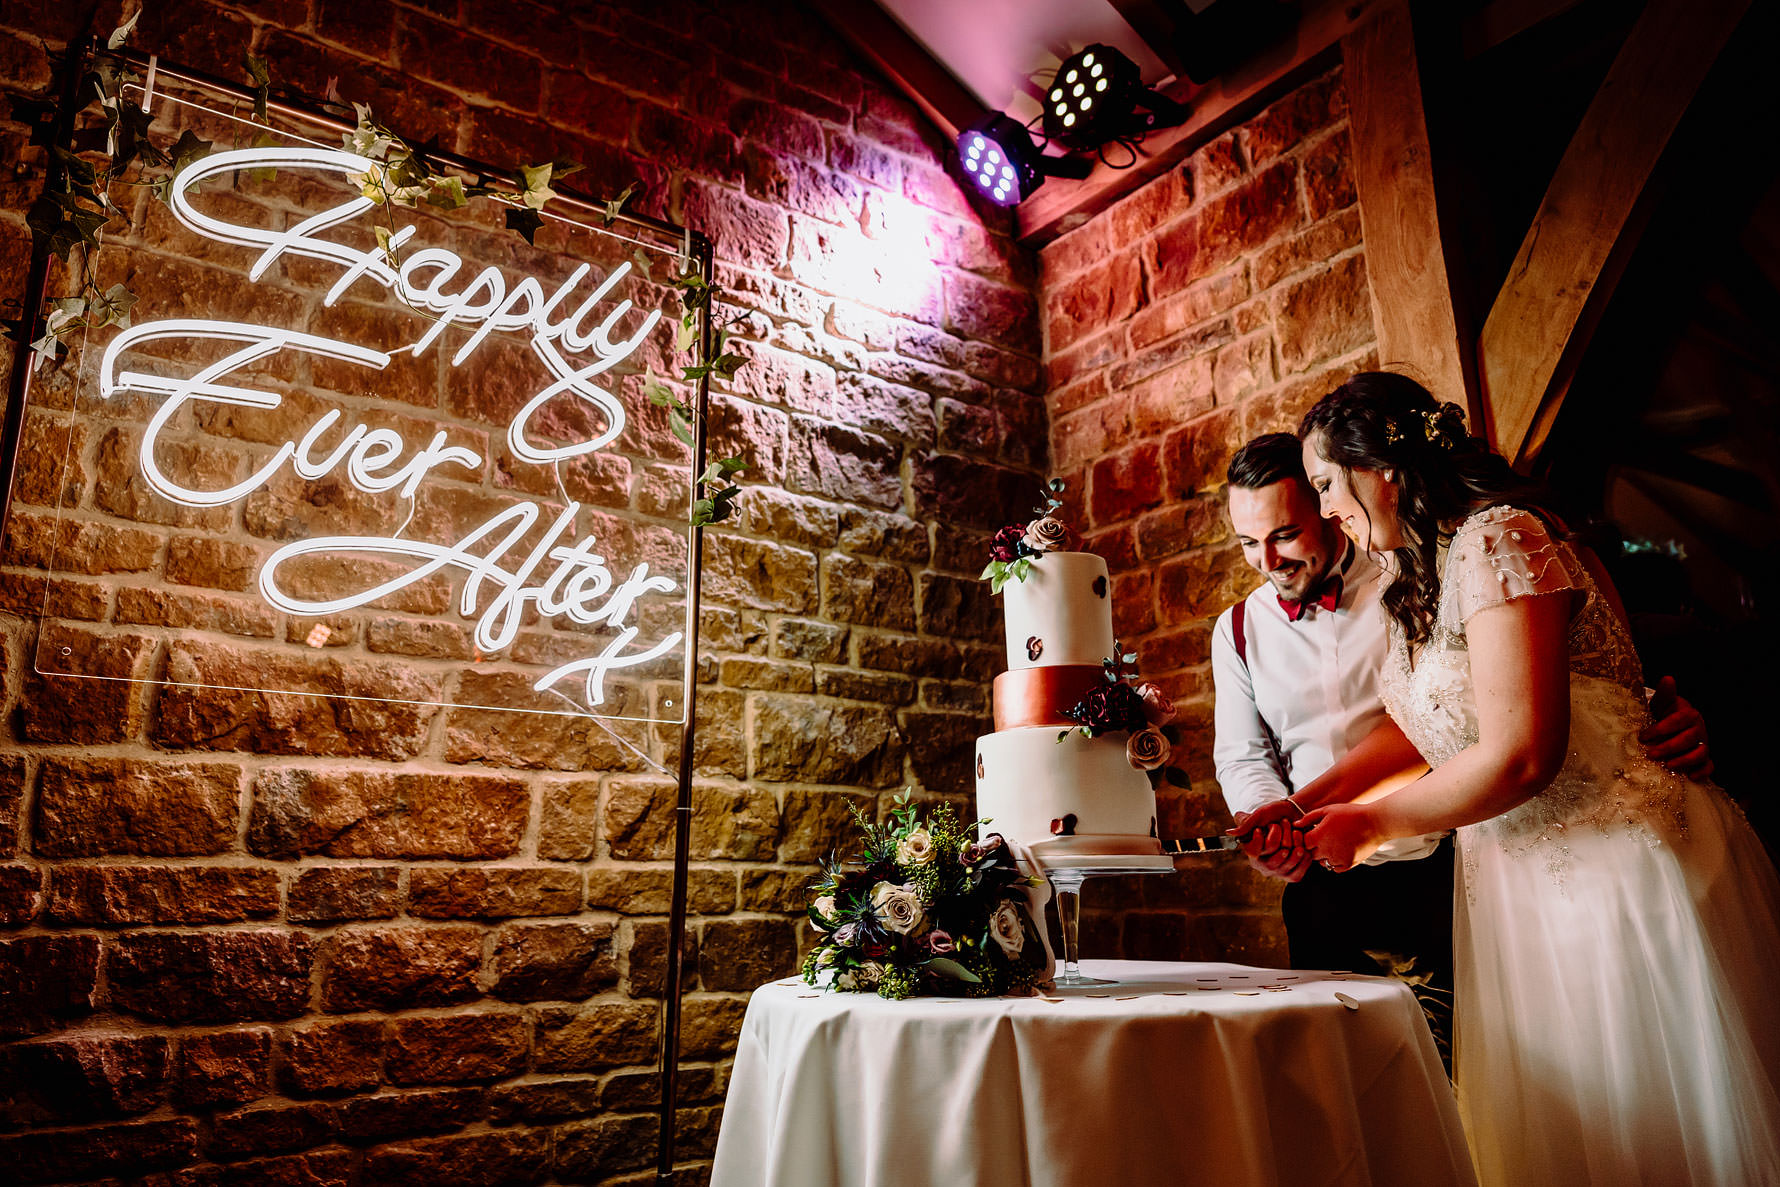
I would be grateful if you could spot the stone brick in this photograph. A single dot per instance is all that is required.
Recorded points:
(1316, 104)
(46, 981)
(399, 967)
(197, 612)
(493, 892)
(1325, 315)
(1197, 455)
(958, 608)
(809, 639)
(329, 894)
(891, 410)
(49, 1157)
(409, 1114)
(906, 653)
(994, 313)
(1201, 584)
(88, 807)
(954, 696)
(1180, 525)
(1124, 485)
(12, 794)
(1133, 606)
(795, 519)
(812, 742)
(1102, 297)
(532, 740)
(90, 1078)
(499, 1157)
(1198, 302)
(552, 962)
(1310, 248)
(82, 711)
(225, 976)
(593, 1036)
(646, 890)
(849, 684)
(161, 894)
(768, 674)
(588, 1150)
(226, 1068)
(732, 822)
(21, 893)
(454, 1048)
(843, 464)
(645, 958)
(720, 747)
(754, 573)
(967, 493)
(549, 1100)
(819, 823)
(868, 592)
(383, 814)
(1328, 175)
(273, 1129)
(568, 828)
(329, 1057)
(942, 749)
(709, 1026)
(387, 716)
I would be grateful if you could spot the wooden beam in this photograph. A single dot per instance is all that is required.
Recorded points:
(1413, 308)
(1588, 221)
(906, 63)
(1216, 107)
(1155, 27)
(1502, 20)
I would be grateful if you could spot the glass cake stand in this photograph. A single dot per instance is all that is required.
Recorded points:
(1066, 883)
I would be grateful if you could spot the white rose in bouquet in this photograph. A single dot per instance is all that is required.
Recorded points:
(824, 907)
(1007, 927)
(864, 975)
(916, 849)
(898, 908)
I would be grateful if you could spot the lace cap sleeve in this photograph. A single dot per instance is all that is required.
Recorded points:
(1504, 553)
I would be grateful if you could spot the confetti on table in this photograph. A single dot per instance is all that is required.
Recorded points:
(1098, 995)
(1132, 998)
(1248, 993)
(1174, 993)
(1347, 1001)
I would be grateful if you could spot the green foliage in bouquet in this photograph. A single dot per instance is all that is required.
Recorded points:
(924, 909)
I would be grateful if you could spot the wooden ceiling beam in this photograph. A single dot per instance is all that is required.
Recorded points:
(1154, 25)
(1215, 108)
(1503, 20)
(1589, 220)
(906, 63)
(1413, 307)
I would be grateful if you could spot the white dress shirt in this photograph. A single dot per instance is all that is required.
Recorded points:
(1307, 694)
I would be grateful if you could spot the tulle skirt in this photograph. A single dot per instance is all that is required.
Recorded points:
(1618, 1004)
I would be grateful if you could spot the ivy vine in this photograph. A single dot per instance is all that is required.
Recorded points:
(118, 149)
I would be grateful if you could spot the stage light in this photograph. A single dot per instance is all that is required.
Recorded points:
(1001, 161)
(1098, 96)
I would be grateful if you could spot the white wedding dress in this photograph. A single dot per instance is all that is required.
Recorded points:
(1616, 937)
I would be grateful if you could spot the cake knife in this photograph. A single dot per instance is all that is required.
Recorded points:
(1201, 844)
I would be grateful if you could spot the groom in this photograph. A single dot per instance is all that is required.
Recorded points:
(1296, 670)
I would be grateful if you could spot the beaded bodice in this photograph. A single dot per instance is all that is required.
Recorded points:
(1497, 555)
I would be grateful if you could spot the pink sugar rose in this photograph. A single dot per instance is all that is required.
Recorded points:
(1158, 706)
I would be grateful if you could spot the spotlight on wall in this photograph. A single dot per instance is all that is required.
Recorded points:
(1000, 159)
(1098, 96)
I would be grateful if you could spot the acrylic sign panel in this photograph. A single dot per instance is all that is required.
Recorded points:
(425, 473)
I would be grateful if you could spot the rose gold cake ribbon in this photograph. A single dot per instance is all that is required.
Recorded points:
(1038, 696)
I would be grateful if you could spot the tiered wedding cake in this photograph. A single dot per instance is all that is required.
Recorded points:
(1078, 800)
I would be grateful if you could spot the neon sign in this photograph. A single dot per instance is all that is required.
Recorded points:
(519, 564)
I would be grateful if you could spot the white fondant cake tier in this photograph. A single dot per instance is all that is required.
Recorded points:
(1079, 796)
(1061, 613)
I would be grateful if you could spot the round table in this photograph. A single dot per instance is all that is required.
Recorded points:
(1171, 1074)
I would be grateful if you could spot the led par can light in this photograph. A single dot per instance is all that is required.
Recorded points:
(997, 154)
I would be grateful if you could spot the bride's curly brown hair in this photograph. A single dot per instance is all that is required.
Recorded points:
(1383, 421)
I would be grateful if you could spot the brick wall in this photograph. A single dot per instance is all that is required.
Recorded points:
(275, 939)
(1216, 303)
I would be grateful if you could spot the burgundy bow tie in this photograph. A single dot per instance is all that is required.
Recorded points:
(1328, 599)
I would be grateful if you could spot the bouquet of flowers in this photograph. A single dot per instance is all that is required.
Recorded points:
(1139, 708)
(1012, 551)
(926, 908)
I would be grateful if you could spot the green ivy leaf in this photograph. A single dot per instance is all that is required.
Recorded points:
(684, 337)
(386, 241)
(121, 34)
(113, 307)
(260, 71)
(615, 206)
(680, 426)
(946, 967)
(447, 193)
(526, 221)
(534, 185)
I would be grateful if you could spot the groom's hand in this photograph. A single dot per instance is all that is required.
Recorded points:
(1676, 735)
(1271, 842)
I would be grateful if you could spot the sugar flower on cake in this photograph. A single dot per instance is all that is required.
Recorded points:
(1148, 749)
(1139, 709)
(1048, 534)
(926, 906)
(1158, 706)
(1008, 927)
(1016, 546)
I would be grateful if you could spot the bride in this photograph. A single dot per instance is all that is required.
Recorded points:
(1617, 928)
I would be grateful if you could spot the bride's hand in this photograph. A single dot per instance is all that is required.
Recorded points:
(1342, 835)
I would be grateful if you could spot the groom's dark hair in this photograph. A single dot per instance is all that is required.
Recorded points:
(1269, 458)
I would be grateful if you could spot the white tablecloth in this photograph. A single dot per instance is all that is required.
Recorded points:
(1180, 1073)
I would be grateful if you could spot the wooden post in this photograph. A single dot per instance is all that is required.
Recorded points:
(1413, 308)
(1587, 223)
